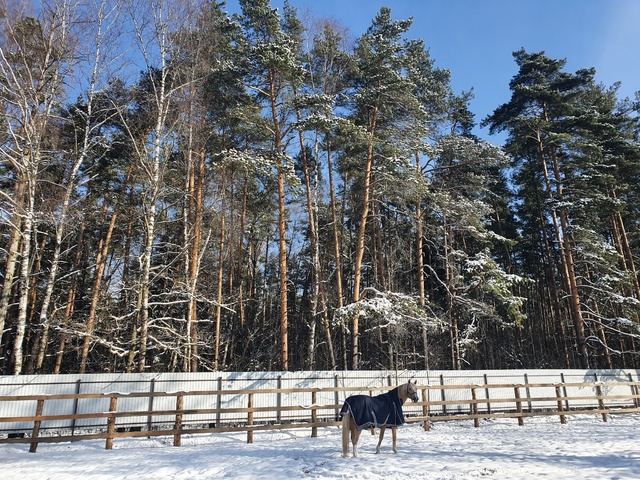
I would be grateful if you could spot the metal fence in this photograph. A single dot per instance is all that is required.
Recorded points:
(447, 401)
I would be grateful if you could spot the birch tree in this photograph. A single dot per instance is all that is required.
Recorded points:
(154, 24)
(96, 20)
(36, 55)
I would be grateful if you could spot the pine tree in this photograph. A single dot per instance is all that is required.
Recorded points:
(559, 124)
(271, 46)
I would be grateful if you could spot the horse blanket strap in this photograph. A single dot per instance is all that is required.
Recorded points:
(382, 411)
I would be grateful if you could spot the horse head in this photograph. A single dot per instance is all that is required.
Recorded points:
(412, 390)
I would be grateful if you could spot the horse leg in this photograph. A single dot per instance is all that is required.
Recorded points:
(382, 429)
(355, 435)
(345, 434)
(393, 436)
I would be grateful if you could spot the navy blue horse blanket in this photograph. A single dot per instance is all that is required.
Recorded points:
(382, 411)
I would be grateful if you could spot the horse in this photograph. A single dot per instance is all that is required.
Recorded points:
(362, 411)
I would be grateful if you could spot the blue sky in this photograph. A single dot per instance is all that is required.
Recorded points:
(474, 39)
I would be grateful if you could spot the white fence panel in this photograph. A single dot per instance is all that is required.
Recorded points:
(354, 381)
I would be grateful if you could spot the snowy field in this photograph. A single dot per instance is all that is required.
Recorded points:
(585, 447)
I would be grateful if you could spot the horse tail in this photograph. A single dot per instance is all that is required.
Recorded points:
(346, 425)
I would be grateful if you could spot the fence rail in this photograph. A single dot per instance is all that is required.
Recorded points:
(118, 415)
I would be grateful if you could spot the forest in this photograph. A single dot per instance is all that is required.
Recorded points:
(183, 189)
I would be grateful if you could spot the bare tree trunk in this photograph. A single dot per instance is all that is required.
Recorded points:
(219, 292)
(71, 178)
(282, 261)
(316, 274)
(23, 280)
(622, 243)
(193, 238)
(71, 295)
(101, 262)
(12, 257)
(566, 253)
(454, 329)
(380, 267)
(32, 86)
(420, 270)
(362, 228)
(282, 225)
(155, 30)
(241, 251)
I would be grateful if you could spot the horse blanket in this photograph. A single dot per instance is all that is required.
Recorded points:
(382, 411)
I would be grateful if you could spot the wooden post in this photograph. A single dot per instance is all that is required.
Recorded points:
(75, 407)
(516, 390)
(177, 436)
(528, 392)
(36, 427)
(442, 394)
(111, 422)
(474, 408)
(564, 392)
(563, 418)
(314, 414)
(425, 409)
(250, 418)
(486, 391)
(279, 400)
(636, 394)
(152, 389)
(219, 403)
(603, 411)
(634, 391)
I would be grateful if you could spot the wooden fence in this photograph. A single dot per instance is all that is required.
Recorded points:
(471, 402)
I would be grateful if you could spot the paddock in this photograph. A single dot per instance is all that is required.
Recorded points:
(584, 447)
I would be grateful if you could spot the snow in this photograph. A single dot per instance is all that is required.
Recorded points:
(586, 447)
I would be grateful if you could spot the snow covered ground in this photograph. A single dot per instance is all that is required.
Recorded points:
(585, 447)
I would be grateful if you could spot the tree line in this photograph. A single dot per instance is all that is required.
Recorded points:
(185, 189)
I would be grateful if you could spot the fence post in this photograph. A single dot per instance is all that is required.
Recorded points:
(111, 422)
(36, 427)
(528, 392)
(75, 407)
(219, 403)
(442, 395)
(152, 390)
(474, 408)
(634, 391)
(516, 390)
(177, 436)
(250, 418)
(314, 413)
(563, 418)
(486, 391)
(564, 392)
(425, 409)
(603, 411)
(279, 412)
